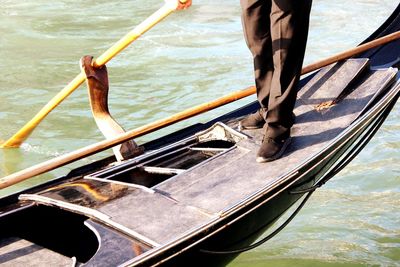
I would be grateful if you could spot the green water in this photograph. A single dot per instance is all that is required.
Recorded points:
(190, 58)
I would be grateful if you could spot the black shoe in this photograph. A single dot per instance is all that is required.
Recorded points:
(272, 149)
(253, 121)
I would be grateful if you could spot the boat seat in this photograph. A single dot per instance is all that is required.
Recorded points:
(20, 252)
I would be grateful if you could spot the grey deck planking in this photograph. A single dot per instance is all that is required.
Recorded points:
(154, 215)
(329, 82)
(20, 252)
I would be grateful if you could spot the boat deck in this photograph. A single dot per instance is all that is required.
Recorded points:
(190, 198)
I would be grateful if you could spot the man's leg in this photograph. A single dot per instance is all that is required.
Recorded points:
(256, 28)
(289, 30)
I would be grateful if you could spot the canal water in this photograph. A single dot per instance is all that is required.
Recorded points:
(192, 57)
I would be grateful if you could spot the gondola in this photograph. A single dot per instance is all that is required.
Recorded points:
(197, 197)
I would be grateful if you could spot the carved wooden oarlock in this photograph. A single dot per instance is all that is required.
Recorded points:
(97, 82)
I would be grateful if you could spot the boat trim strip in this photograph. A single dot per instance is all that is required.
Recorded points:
(163, 170)
(137, 186)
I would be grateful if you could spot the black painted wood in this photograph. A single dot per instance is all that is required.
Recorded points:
(114, 248)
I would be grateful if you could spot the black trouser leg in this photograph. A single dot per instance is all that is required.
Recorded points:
(276, 32)
(289, 30)
(256, 28)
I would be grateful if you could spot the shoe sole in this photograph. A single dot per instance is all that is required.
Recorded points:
(277, 155)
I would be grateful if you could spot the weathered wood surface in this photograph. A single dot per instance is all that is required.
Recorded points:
(332, 83)
(16, 252)
(154, 215)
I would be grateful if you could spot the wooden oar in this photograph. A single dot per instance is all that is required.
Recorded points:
(169, 6)
(103, 145)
